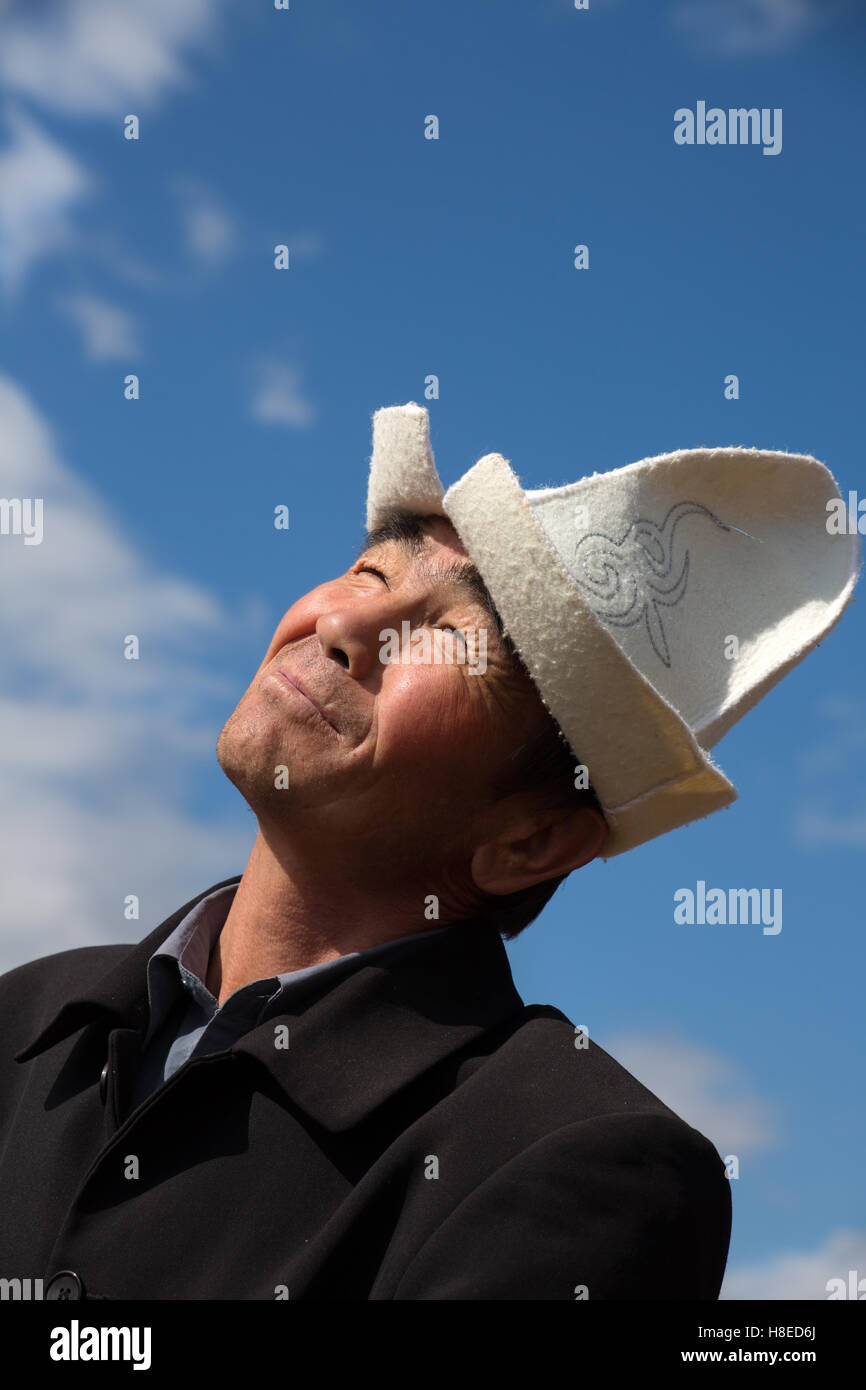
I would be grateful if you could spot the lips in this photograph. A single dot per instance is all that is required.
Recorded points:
(293, 681)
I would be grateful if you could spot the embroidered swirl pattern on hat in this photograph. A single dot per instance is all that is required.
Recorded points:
(629, 579)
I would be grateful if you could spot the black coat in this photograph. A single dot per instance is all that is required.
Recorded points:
(425, 1135)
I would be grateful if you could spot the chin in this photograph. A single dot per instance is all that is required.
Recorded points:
(241, 755)
(256, 786)
(249, 754)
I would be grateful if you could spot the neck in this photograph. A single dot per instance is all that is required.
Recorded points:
(284, 917)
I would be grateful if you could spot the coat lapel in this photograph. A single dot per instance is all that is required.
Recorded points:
(351, 1046)
(355, 1046)
(120, 992)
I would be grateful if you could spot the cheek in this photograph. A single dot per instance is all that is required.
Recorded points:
(429, 713)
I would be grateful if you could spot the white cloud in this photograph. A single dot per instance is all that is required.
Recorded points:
(209, 227)
(40, 183)
(841, 726)
(738, 27)
(800, 1274)
(82, 58)
(103, 57)
(814, 828)
(108, 252)
(278, 398)
(704, 1088)
(100, 756)
(108, 333)
(108, 58)
(833, 767)
(304, 244)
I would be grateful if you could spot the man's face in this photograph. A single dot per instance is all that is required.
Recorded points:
(384, 758)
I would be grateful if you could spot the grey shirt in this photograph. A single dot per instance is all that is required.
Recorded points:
(186, 1020)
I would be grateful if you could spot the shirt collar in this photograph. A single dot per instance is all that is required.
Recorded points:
(355, 1045)
(182, 943)
(183, 958)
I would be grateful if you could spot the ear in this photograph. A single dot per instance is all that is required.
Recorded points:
(533, 851)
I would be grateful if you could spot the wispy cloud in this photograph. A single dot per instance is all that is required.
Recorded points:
(103, 57)
(305, 244)
(208, 225)
(100, 755)
(107, 251)
(840, 726)
(799, 1274)
(278, 397)
(108, 333)
(832, 767)
(815, 828)
(40, 183)
(736, 28)
(83, 58)
(703, 1087)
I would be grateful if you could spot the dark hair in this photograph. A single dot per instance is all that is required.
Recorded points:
(544, 765)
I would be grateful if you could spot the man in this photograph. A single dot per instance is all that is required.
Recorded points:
(318, 1081)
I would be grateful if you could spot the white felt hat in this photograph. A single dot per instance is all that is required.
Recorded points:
(652, 605)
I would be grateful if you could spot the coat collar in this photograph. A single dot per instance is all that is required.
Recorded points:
(357, 1044)
(354, 1044)
(120, 993)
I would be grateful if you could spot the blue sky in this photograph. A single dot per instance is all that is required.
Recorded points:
(453, 257)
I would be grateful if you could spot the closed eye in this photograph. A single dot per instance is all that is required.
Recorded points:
(369, 569)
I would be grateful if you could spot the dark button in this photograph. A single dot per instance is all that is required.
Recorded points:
(103, 1083)
(66, 1284)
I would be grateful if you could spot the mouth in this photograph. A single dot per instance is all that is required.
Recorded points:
(295, 684)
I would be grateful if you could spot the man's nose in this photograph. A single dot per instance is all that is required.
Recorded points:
(354, 636)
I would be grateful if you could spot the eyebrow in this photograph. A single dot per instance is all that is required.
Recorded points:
(406, 530)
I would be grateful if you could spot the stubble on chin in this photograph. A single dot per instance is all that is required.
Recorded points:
(254, 764)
